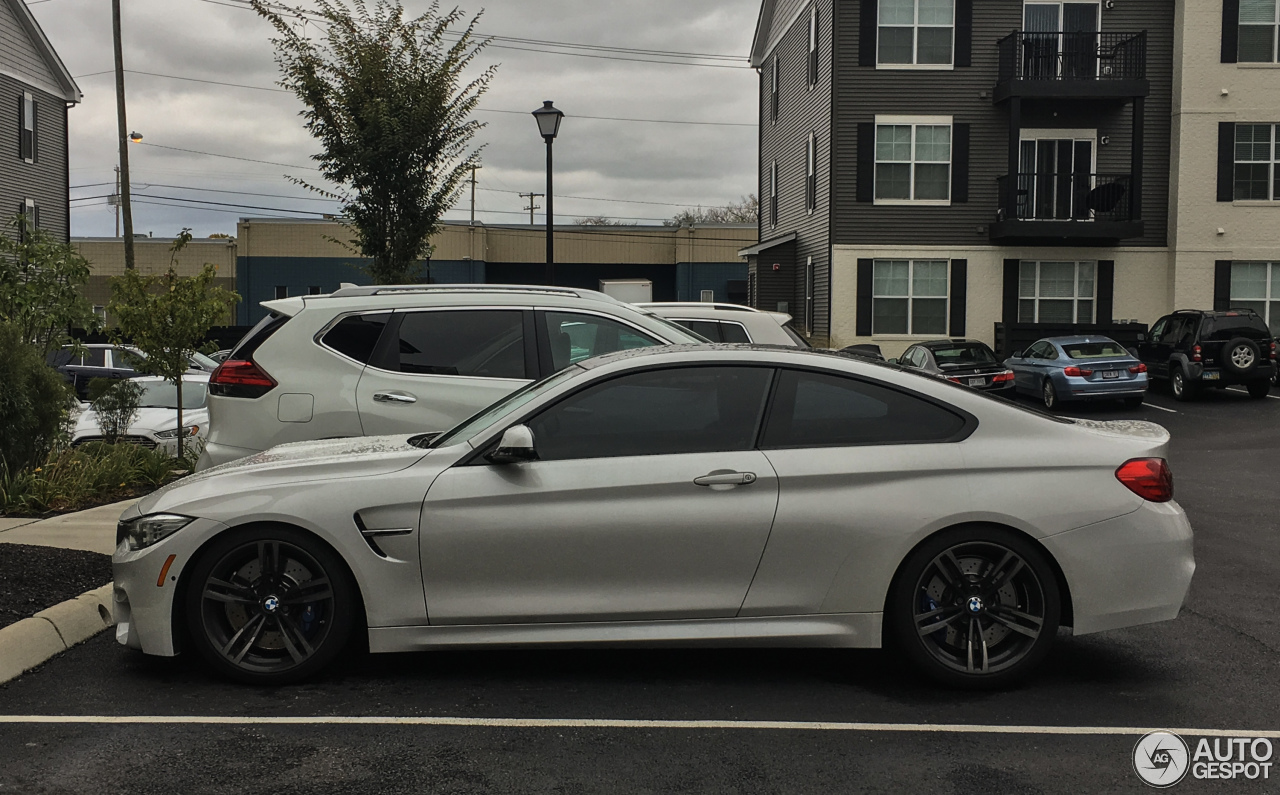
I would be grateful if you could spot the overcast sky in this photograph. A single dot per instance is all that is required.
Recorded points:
(668, 165)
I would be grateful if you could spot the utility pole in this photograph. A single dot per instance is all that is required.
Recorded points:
(532, 206)
(473, 194)
(124, 138)
(114, 201)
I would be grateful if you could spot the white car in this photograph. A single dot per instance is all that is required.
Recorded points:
(698, 495)
(365, 361)
(156, 424)
(730, 323)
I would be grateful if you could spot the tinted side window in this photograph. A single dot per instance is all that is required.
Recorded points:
(575, 337)
(485, 343)
(357, 335)
(819, 410)
(95, 357)
(662, 412)
(706, 328)
(1222, 329)
(733, 332)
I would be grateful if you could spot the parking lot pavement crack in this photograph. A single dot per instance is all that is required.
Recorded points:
(1219, 623)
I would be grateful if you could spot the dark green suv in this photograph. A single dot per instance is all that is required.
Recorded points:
(1197, 349)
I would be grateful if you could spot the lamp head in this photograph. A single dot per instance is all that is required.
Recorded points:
(548, 120)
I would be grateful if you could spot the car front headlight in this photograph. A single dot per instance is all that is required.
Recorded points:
(172, 433)
(150, 529)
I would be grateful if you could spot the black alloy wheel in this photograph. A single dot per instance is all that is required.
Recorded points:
(975, 608)
(269, 605)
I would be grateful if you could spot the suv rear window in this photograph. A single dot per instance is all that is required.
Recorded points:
(1225, 327)
(257, 335)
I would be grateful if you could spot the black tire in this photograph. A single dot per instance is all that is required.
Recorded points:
(1259, 389)
(988, 621)
(1182, 388)
(1132, 402)
(1240, 356)
(298, 618)
(1049, 395)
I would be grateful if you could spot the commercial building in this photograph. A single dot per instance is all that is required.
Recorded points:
(150, 256)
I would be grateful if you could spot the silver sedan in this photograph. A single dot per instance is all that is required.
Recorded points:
(696, 495)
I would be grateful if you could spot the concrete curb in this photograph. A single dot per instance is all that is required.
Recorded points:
(31, 641)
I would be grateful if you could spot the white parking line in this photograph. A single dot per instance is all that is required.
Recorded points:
(1161, 408)
(606, 723)
(1238, 389)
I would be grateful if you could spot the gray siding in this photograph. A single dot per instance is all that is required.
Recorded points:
(19, 57)
(801, 110)
(45, 181)
(964, 93)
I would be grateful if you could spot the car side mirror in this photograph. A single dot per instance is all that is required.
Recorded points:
(1142, 337)
(1017, 355)
(894, 360)
(516, 445)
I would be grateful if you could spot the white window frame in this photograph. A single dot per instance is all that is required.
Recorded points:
(1272, 194)
(1075, 298)
(808, 295)
(773, 92)
(911, 297)
(810, 64)
(1275, 35)
(29, 118)
(1273, 270)
(773, 193)
(915, 40)
(276, 292)
(811, 174)
(914, 122)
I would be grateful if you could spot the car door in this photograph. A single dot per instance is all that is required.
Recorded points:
(434, 368)
(1159, 346)
(862, 467)
(647, 501)
(1024, 369)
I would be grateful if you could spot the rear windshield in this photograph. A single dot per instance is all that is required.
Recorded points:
(1225, 327)
(963, 356)
(800, 342)
(1095, 350)
(164, 395)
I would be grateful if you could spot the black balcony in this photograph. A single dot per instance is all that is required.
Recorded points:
(1073, 208)
(1072, 65)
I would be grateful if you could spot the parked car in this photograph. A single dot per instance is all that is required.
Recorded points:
(865, 350)
(1081, 368)
(108, 361)
(960, 361)
(699, 495)
(1196, 349)
(730, 323)
(365, 361)
(156, 425)
(220, 356)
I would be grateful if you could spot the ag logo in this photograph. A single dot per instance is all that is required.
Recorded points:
(1160, 759)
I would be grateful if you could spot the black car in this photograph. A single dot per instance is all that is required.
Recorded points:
(1195, 349)
(107, 361)
(967, 362)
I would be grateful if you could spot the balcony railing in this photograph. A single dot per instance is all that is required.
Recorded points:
(1074, 196)
(1081, 58)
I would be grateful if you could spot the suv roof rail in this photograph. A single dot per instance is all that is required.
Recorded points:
(1235, 309)
(390, 289)
(702, 304)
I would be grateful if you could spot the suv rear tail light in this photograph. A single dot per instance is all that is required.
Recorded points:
(1076, 372)
(1195, 353)
(1273, 350)
(1149, 478)
(1138, 368)
(240, 378)
(1000, 378)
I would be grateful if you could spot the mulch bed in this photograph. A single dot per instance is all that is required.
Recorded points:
(33, 578)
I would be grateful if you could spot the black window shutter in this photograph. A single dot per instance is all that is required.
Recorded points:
(1106, 292)
(867, 33)
(1221, 285)
(1230, 30)
(964, 32)
(35, 130)
(1226, 160)
(959, 294)
(1010, 303)
(866, 175)
(863, 316)
(960, 162)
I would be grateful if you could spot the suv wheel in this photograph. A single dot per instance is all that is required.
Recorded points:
(1182, 388)
(1259, 389)
(1049, 394)
(1240, 356)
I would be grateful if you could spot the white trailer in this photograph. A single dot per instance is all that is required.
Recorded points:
(632, 291)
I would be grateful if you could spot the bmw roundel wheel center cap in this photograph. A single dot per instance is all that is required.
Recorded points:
(975, 604)
(271, 604)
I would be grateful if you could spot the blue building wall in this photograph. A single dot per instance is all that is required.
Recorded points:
(694, 277)
(258, 277)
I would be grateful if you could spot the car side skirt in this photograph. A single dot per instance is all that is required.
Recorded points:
(835, 630)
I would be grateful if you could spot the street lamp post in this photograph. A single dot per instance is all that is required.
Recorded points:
(549, 126)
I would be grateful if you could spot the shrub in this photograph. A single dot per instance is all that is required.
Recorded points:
(91, 474)
(116, 407)
(34, 401)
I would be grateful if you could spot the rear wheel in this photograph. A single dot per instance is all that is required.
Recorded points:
(1259, 389)
(975, 607)
(1049, 394)
(1182, 388)
(270, 605)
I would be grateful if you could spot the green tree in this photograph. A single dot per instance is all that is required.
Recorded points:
(34, 400)
(167, 316)
(387, 100)
(41, 283)
(744, 211)
(116, 406)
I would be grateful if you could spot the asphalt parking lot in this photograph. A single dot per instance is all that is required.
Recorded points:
(709, 721)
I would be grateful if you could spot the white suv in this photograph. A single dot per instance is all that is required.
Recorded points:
(366, 361)
(730, 322)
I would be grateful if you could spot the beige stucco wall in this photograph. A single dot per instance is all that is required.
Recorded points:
(1206, 92)
(1141, 285)
(152, 255)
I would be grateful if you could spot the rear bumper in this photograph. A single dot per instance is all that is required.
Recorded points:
(1133, 569)
(1089, 389)
(215, 454)
(1213, 374)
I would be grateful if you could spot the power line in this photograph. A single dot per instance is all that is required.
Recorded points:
(229, 157)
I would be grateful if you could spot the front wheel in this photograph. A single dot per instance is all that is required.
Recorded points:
(1259, 389)
(1049, 394)
(974, 607)
(270, 605)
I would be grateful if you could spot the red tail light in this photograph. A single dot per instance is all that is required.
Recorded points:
(240, 378)
(1076, 372)
(1000, 378)
(1195, 353)
(1138, 368)
(1149, 478)
(1273, 350)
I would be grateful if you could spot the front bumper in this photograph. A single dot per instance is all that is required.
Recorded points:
(1133, 569)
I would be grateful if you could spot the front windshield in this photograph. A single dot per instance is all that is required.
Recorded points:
(204, 361)
(963, 356)
(478, 422)
(164, 395)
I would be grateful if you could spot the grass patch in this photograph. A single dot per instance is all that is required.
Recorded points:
(82, 477)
